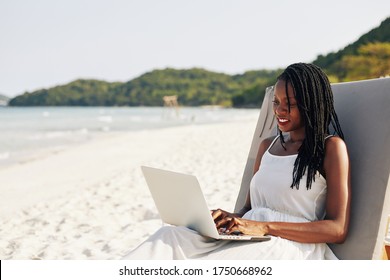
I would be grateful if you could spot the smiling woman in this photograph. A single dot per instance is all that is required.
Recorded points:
(299, 193)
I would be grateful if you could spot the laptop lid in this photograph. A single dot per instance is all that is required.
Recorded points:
(179, 200)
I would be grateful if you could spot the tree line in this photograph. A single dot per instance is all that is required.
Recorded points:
(193, 87)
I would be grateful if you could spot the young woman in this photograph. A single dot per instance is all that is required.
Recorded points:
(300, 191)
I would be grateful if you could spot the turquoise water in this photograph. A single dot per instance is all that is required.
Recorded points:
(27, 133)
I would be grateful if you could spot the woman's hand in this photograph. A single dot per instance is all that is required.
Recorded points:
(231, 223)
(247, 227)
(222, 218)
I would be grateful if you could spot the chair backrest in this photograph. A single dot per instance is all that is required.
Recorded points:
(364, 115)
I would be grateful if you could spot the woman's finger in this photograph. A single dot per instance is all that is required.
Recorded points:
(217, 214)
(222, 222)
(233, 225)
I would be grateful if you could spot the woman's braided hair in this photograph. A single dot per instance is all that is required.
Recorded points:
(314, 98)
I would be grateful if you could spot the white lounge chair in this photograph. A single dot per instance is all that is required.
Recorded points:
(363, 109)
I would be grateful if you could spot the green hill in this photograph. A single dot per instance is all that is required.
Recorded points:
(193, 87)
(330, 62)
(76, 93)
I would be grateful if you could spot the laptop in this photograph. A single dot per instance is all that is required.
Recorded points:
(180, 202)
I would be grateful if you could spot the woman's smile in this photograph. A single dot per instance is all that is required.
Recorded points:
(282, 121)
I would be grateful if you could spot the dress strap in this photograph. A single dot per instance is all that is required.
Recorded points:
(273, 142)
(330, 135)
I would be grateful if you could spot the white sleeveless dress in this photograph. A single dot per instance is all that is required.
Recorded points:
(272, 199)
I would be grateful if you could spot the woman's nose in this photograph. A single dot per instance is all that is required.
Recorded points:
(280, 108)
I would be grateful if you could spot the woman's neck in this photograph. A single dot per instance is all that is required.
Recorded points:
(295, 137)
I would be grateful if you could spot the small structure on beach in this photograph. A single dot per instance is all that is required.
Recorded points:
(170, 102)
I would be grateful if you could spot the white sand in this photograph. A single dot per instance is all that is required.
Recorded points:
(91, 201)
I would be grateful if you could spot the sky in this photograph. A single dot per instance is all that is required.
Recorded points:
(44, 43)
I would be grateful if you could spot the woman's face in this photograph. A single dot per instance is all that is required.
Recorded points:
(288, 120)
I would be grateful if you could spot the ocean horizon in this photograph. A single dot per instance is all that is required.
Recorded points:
(28, 133)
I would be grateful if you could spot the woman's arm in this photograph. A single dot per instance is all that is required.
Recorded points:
(334, 228)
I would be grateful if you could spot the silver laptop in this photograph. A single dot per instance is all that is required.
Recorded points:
(180, 201)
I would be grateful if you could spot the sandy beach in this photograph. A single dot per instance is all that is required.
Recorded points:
(90, 201)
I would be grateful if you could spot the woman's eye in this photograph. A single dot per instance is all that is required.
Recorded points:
(275, 102)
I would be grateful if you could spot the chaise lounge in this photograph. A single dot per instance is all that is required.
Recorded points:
(364, 115)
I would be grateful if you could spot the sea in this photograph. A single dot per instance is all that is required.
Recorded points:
(27, 133)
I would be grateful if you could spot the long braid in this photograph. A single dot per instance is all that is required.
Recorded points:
(315, 103)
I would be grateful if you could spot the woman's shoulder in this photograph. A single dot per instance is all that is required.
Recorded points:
(334, 143)
(266, 143)
(335, 148)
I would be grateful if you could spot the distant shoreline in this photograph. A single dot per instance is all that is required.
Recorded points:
(30, 132)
